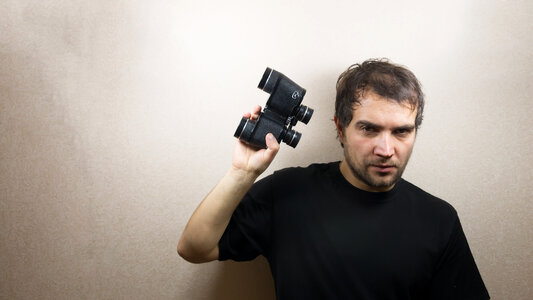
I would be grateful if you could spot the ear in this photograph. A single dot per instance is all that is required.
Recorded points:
(339, 129)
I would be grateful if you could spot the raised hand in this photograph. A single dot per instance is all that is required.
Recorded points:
(199, 241)
(249, 159)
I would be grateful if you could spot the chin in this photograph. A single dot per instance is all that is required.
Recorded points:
(383, 183)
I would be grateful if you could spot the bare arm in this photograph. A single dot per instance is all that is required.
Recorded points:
(199, 240)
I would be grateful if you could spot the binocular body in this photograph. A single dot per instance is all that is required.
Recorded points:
(281, 112)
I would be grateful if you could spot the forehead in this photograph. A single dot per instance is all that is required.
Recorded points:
(384, 112)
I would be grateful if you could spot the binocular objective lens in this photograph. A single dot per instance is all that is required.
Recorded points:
(291, 138)
(304, 114)
(245, 129)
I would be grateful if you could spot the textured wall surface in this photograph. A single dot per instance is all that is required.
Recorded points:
(116, 118)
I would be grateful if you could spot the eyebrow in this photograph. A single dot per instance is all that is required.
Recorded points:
(379, 127)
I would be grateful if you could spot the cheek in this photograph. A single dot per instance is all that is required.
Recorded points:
(361, 147)
(404, 150)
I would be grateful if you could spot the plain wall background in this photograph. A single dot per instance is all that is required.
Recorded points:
(116, 118)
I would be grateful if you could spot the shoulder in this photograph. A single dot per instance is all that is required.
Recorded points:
(435, 218)
(433, 206)
(293, 181)
(312, 170)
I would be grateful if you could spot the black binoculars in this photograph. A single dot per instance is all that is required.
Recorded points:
(281, 112)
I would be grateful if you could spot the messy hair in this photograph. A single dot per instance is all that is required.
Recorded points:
(382, 77)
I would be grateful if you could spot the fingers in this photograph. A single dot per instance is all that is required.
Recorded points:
(272, 147)
(256, 111)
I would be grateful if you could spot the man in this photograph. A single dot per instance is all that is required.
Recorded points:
(348, 230)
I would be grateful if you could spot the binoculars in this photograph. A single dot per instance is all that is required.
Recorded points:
(281, 112)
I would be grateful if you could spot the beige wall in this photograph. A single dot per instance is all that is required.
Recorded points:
(116, 118)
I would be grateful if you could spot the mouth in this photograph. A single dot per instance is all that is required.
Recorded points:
(383, 168)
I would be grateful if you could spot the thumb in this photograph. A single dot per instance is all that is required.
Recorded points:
(272, 147)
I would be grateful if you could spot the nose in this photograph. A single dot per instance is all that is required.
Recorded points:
(384, 146)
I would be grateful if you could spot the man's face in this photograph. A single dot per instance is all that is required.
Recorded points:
(377, 143)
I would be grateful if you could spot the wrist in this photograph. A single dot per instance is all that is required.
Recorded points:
(241, 176)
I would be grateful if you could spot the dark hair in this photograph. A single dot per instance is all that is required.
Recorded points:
(381, 77)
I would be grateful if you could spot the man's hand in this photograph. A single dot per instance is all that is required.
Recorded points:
(251, 160)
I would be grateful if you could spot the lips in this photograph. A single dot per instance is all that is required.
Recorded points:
(384, 168)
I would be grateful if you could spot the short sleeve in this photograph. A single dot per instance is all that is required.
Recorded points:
(456, 275)
(248, 232)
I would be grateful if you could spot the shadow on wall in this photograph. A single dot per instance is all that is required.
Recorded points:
(243, 280)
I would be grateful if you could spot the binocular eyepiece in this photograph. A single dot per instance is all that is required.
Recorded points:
(281, 112)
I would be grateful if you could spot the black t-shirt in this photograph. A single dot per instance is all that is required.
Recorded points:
(326, 239)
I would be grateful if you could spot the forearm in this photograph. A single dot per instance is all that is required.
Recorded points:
(207, 224)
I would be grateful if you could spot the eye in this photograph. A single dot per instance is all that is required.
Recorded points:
(368, 129)
(402, 132)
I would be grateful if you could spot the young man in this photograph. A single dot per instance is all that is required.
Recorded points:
(344, 230)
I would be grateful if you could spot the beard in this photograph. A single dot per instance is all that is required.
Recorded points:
(378, 180)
